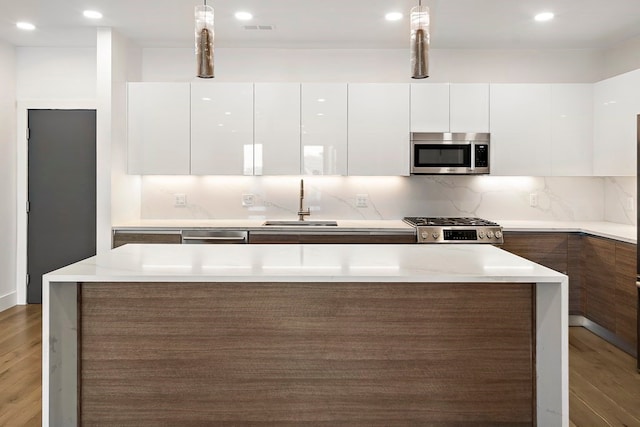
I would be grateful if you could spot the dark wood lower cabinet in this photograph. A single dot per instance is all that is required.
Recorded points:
(548, 249)
(602, 275)
(610, 286)
(330, 238)
(599, 261)
(122, 238)
(552, 251)
(626, 294)
(285, 354)
(574, 271)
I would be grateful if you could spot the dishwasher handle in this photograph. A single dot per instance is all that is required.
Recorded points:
(196, 237)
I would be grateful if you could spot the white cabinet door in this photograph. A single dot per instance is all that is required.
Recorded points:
(277, 129)
(324, 128)
(520, 129)
(221, 128)
(616, 106)
(430, 107)
(571, 129)
(378, 129)
(158, 128)
(469, 107)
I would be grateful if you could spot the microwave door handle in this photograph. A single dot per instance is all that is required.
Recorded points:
(473, 156)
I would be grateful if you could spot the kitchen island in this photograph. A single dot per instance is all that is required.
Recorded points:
(291, 334)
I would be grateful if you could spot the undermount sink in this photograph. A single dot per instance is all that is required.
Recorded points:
(302, 223)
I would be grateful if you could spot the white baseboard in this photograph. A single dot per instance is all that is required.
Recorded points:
(7, 301)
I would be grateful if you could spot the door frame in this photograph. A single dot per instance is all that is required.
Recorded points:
(22, 178)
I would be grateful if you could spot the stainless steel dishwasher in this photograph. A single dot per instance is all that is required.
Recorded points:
(208, 237)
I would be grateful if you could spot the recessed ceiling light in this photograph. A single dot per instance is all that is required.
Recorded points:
(544, 16)
(243, 16)
(393, 16)
(25, 26)
(92, 14)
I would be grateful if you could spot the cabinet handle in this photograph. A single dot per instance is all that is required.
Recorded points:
(214, 239)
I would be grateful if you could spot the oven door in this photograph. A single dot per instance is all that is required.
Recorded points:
(437, 158)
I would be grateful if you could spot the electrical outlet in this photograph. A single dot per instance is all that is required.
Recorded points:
(533, 200)
(180, 200)
(362, 200)
(248, 200)
(630, 203)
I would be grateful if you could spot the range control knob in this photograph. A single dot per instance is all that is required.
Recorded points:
(425, 235)
(481, 234)
(435, 235)
(498, 234)
(490, 234)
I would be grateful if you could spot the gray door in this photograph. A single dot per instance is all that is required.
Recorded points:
(62, 192)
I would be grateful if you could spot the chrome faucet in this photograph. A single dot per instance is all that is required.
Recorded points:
(302, 212)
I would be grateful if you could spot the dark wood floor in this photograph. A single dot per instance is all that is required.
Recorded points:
(603, 381)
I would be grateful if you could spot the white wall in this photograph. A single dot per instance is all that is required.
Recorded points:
(118, 194)
(8, 178)
(378, 65)
(56, 73)
(125, 189)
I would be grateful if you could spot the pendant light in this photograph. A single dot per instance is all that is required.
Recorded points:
(419, 41)
(204, 40)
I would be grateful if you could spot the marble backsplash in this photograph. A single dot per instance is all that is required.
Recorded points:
(620, 201)
(490, 197)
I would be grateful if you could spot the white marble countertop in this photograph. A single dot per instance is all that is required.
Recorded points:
(610, 230)
(306, 263)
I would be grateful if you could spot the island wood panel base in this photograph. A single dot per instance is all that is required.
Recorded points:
(324, 353)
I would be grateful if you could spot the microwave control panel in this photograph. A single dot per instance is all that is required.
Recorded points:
(482, 155)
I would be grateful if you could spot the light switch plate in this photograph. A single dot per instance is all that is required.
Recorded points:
(248, 200)
(180, 200)
(362, 200)
(533, 200)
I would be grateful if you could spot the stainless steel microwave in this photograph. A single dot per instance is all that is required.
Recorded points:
(449, 153)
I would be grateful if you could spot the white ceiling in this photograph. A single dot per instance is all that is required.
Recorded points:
(476, 24)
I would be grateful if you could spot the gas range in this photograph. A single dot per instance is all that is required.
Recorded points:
(455, 230)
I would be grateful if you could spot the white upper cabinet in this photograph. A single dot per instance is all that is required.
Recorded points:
(455, 107)
(324, 128)
(158, 122)
(469, 107)
(520, 129)
(616, 106)
(430, 107)
(378, 129)
(277, 129)
(221, 128)
(571, 129)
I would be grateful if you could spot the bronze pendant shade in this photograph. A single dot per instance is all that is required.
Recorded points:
(204, 41)
(419, 42)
